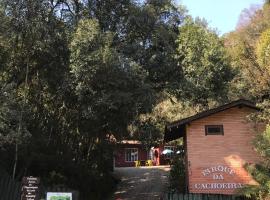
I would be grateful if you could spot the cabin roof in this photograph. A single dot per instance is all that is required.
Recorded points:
(129, 142)
(176, 129)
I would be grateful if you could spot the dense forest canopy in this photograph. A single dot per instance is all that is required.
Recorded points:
(76, 73)
(248, 46)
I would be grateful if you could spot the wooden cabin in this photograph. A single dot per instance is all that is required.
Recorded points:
(131, 152)
(217, 143)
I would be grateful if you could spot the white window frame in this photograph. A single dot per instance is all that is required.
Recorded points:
(133, 158)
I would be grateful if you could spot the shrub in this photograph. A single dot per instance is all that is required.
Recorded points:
(177, 174)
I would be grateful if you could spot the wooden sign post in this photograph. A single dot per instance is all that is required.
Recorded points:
(30, 188)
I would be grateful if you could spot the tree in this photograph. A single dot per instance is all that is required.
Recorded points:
(109, 85)
(251, 80)
(10, 118)
(246, 15)
(263, 50)
(248, 47)
(82, 72)
(149, 127)
(204, 63)
(148, 37)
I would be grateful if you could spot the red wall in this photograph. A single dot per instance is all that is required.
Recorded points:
(120, 160)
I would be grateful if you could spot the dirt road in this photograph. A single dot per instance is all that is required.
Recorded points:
(147, 183)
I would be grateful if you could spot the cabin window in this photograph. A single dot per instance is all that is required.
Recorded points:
(131, 154)
(214, 130)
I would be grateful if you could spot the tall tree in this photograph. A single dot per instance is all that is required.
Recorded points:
(109, 85)
(206, 68)
(249, 47)
(251, 80)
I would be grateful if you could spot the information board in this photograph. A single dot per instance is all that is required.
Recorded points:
(30, 188)
(59, 196)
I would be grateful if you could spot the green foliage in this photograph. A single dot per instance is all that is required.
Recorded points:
(149, 39)
(200, 77)
(260, 172)
(10, 108)
(252, 80)
(262, 143)
(109, 86)
(248, 47)
(263, 50)
(77, 73)
(149, 127)
(177, 175)
(206, 68)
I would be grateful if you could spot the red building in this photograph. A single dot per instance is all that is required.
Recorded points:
(128, 152)
(218, 144)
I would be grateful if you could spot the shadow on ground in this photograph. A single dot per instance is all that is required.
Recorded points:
(147, 183)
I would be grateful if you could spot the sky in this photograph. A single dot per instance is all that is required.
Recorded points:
(220, 14)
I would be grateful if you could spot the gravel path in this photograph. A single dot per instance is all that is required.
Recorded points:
(147, 183)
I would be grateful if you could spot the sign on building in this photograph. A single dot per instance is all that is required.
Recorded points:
(218, 177)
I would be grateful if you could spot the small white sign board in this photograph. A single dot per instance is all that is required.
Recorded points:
(59, 196)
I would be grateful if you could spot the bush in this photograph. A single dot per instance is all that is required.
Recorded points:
(177, 175)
